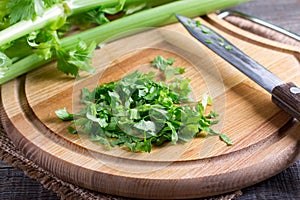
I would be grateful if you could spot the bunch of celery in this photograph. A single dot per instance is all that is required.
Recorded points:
(34, 32)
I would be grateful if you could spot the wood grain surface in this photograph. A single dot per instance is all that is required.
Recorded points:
(265, 138)
(254, 7)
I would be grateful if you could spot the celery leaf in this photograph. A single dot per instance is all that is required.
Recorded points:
(79, 58)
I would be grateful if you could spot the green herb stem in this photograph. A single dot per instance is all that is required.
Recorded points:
(56, 12)
(158, 16)
(23, 66)
(24, 27)
(79, 6)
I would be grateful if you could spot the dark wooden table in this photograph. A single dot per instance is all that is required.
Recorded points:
(15, 185)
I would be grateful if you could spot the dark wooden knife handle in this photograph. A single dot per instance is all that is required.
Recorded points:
(287, 97)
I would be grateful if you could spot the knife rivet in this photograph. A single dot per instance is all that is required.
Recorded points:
(295, 90)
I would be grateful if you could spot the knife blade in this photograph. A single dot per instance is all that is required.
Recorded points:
(284, 95)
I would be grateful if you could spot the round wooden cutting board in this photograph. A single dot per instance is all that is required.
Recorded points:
(266, 140)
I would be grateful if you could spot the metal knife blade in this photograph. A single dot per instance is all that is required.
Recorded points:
(284, 95)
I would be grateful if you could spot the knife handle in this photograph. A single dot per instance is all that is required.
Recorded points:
(287, 97)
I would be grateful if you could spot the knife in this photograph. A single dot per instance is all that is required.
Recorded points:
(284, 95)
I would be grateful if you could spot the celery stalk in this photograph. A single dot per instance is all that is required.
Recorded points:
(159, 16)
(59, 11)
(24, 27)
(154, 17)
(80, 6)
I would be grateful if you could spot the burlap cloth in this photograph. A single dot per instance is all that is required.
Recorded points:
(286, 185)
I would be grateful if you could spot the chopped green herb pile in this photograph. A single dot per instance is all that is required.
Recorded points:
(138, 112)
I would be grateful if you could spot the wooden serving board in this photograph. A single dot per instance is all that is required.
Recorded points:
(266, 140)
